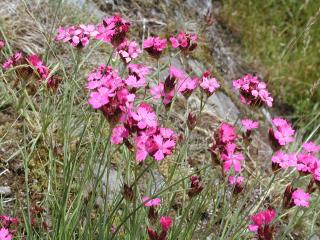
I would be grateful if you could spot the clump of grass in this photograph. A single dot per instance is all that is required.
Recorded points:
(284, 36)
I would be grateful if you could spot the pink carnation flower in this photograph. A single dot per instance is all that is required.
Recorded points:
(262, 220)
(236, 180)
(301, 198)
(166, 223)
(113, 29)
(306, 163)
(148, 202)
(209, 84)
(101, 97)
(283, 133)
(252, 91)
(36, 62)
(137, 74)
(77, 36)
(164, 147)
(283, 160)
(128, 51)
(119, 133)
(227, 133)
(12, 61)
(5, 234)
(231, 159)
(184, 41)
(145, 117)
(311, 147)
(187, 85)
(249, 124)
(134, 82)
(155, 46)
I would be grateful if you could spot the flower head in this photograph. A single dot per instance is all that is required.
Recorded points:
(148, 202)
(77, 36)
(185, 41)
(311, 147)
(301, 198)
(261, 223)
(253, 91)
(118, 134)
(155, 46)
(227, 133)
(283, 160)
(209, 84)
(5, 234)
(232, 159)
(166, 223)
(187, 85)
(128, 50)
(12, 61)
(145, 116)
(2, 44)
(36, 62)
(282, 134)
(113, 29)
(249, 124)
(306, 163)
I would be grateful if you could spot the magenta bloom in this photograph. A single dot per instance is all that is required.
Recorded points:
(283, 133)
(137, 75)
(301, 198)
(187, 85)
(12, 61)
(249, 124)
(209, 84)
(119, 133)
(36, 62)
(164, 147)
(227, 133)
(252, 91)
(185, 41)
(236, 180)
(311, 147)
(145, 117)
(283, 160)
(101, 97)
(113, 29)
(231, 159)
(316, 173)
(77, 36)
(306, 163)
(128, 51)
(134, 82)
(155, 46)
(166, 223)
(5, 234)
(148, 202)
(2, 44)
(261, 223)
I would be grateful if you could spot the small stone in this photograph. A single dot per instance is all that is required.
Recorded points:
(5, 191)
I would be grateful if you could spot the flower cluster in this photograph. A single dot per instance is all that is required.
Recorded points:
(262, 224)
(209, 84)
(77, 36)
(165, 223)
(8, 227)
(253, 91)
(12, 61)
(113, 29)
(295, 197)
(155, 46)
(281, 134)
(184, 41)
(128, 50)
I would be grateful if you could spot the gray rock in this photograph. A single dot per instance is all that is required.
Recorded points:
(5, 191)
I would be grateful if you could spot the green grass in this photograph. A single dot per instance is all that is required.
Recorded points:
(285, 37)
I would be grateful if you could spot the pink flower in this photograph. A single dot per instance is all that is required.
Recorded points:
(301, 198)
(236, 180)
(252, 91)
(36, 62)
(283, 132)
(164, 146)
(104, 76)
(5, 234)
(2, 44)
(316, 173)
(306, 163)
(113, 29)
(145, 117)
(262, 221)
(6, 221)
(128, 51)
(311, 147)
(137, 74)
(101, 97)
(209, 84)
(155, 46)
(166, 223)
(187, 85)
(148, 202)
(77, 36)
(283, 160)
(227, 133)
(134, 82)
(12, 61)
(118, 134)
(249, 124)
(185, 41)
(231, 159)
(158, 91)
